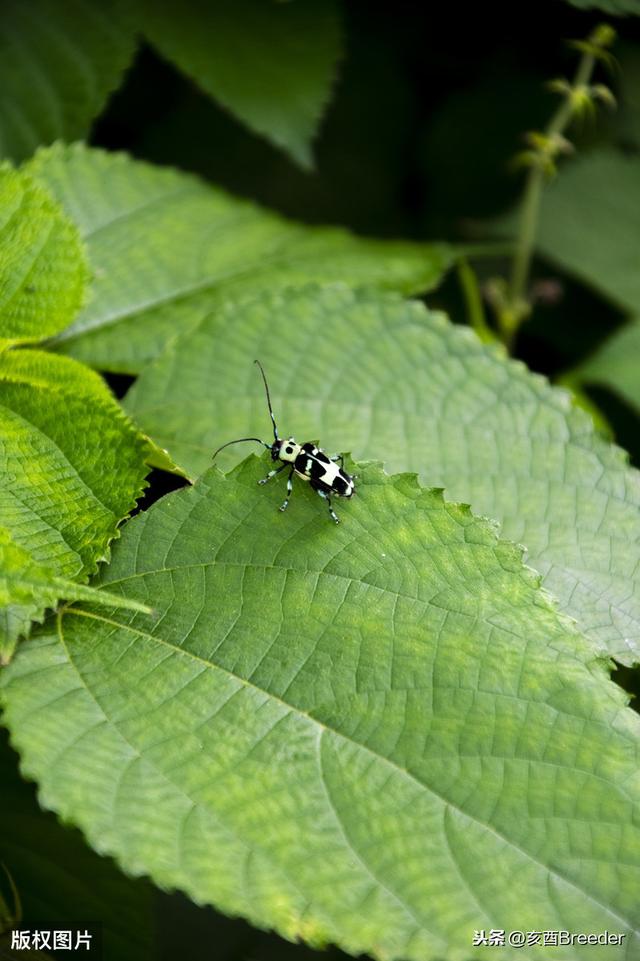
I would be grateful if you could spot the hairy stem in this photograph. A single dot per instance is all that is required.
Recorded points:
(533, 191)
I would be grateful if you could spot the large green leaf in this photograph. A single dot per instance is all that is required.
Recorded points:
(384, 378)
(60, 61)
(61, 883)
(270, 64)
(43, 269)
(590, 224)
(616, 364)
(381, 734)
(71, 467)
(166, 248)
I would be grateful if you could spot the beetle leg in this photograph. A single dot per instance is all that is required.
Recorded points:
(272, 473)
(339, 458)
(289, 489)
(326, 497)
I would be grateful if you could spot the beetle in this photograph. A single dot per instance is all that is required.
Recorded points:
(305, 460)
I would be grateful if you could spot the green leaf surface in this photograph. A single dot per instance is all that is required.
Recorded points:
(60, 61)
(166, 249)
(383, 378)
(271, 64)
(590, 224)
(43, 268)
(71, 467)
(616, 365)
(381, 734)
(60, 881)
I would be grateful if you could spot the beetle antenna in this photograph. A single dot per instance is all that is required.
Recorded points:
(240, 440)
(266, 387)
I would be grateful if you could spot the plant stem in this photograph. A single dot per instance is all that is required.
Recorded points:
(473, 300)
(530, 210)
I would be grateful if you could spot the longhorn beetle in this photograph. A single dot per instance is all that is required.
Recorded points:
(306, 460)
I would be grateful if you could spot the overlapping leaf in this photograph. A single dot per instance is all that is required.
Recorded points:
(271, 64)
(71, 467)
(60, 61)
(381, 734)
(43, 269)
(166, 249)
(385, 378)
(26, 585)
(616, 364)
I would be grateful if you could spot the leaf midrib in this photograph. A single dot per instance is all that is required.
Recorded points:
(89, 232)
(421, 925)
(283, 257)
(330, 730)
(107, 584)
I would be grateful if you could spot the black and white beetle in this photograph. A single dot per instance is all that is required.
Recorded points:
(306, 460)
